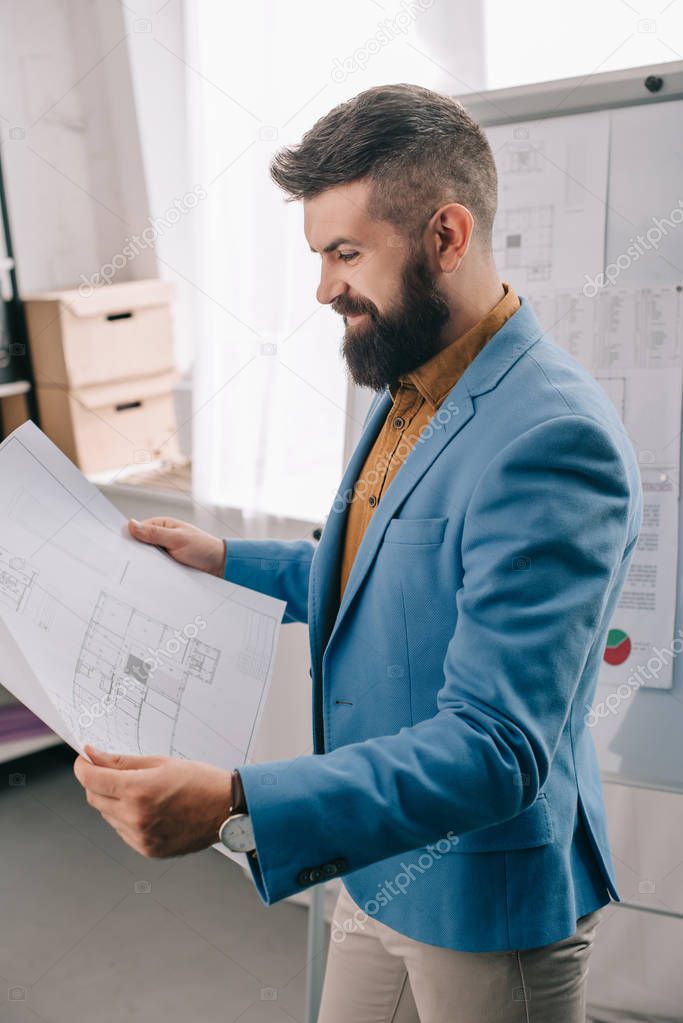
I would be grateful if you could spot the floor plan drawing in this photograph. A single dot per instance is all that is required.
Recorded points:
(139, 667)
(16, 581)
(112, 642)
(523, 241)
(521, 158)
(550, 225)
(26, 508)
(253, 658)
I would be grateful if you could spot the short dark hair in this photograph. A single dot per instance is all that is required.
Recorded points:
(419, 149)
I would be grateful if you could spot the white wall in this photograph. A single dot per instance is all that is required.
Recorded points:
(159, 69)
(92, 124)
(70, 144)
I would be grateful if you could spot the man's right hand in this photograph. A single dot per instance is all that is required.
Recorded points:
(187, 544)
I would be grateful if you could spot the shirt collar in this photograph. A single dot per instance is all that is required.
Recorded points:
(436, 377)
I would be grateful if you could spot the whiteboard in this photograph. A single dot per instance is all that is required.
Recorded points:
(641, 741)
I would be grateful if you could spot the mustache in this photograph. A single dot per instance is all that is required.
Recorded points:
(347, 307)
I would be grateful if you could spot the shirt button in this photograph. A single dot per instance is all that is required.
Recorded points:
(372, 500)
(399, 422)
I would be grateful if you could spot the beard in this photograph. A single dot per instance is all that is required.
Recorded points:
(379, 351)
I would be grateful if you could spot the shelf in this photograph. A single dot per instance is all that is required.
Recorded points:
(15, 387)
(172, 480)
(16, 748)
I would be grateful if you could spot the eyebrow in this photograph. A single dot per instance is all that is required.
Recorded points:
(336, 243)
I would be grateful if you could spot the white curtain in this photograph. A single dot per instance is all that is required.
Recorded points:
(270, 399)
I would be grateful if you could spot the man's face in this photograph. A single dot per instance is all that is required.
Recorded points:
(393, 312)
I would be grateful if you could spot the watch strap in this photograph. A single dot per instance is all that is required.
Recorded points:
(239, 803)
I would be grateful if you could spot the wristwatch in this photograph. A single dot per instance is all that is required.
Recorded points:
(236, 832)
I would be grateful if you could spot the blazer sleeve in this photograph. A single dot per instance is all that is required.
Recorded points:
(278, 568)
(543, 537)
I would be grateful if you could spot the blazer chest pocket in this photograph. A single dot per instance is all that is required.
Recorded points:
(532, 827)
(416, 531)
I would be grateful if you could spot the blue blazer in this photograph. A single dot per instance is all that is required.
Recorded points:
(454, 782)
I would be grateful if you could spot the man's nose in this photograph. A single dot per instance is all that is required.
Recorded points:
(330, 287)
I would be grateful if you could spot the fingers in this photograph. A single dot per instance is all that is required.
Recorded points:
(107, 805)
(126, 834)
(118, 816)
(161, 520)
(113, 781)
(160, 532)
(100, 781)
(121, 761)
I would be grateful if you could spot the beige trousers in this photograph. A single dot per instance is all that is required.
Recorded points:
(376, 975)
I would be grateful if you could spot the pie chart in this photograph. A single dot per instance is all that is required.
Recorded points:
(618, 647)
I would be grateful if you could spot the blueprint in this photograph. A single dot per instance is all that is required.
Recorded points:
(550, 227)
(616, 329)
(110, 641)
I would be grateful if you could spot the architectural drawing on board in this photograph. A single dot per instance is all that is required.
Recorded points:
(523, 241)
(615, 386)
(137, 669)
(520, 158)
(16, 581)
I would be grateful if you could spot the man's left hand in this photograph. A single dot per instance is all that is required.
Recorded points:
(160, 806)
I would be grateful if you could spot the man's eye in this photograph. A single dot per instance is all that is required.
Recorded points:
(347, 257)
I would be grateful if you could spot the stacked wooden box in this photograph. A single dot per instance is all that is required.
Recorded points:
(105, 372)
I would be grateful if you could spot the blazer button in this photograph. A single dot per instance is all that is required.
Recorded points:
(315, 875)
(303, 877)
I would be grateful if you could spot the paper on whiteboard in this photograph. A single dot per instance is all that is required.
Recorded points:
(649, 403)
(643, 237)
(549, 230)
(616, 329)
(639, 651)
(111, 641)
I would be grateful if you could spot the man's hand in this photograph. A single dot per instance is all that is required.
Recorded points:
(160, 806)
(187, 544)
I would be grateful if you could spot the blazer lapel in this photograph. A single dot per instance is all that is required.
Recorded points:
(458, 409)
(324, 580)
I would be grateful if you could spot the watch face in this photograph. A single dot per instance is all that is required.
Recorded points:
(237, 834)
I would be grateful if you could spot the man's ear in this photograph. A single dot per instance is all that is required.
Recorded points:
(450, 232)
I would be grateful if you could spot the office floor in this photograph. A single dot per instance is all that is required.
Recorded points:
(93, 931)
